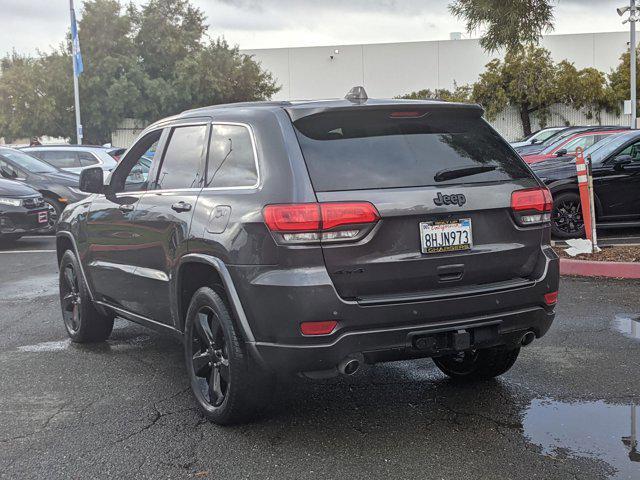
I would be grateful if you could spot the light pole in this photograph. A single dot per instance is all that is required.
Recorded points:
(632, 9)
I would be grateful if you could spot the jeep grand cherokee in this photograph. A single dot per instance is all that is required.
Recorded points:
(311, 238)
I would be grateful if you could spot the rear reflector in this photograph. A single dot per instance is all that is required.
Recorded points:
(532, 206)
(551, 298)
(318, 328)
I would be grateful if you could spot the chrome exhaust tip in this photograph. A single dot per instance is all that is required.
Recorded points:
(527, 339)
(349, 366)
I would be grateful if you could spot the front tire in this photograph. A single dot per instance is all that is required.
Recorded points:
(228, 386)
(481, 364)
(566, 217)
(54, 209)
(84, 323)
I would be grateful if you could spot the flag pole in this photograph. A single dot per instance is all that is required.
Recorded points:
(76, 90)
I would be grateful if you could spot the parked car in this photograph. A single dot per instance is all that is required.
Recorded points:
(75, 158)
(616, 181)
(22, 210)
(561, 135)
(57, 187)
(537, 137)
(312, 238)
(569, 145)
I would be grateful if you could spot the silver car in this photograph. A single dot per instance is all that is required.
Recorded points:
(75, 158)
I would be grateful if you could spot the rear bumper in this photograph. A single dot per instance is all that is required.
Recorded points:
(400, 343)
(276, 301)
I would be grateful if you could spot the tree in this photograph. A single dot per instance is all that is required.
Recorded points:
(25, 108)
(620, 79)
(584, 89)
(508, 24)
(166, 32)
(525, 79)
(460, 93)
(142, 63)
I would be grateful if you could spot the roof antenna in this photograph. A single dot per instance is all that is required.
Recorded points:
(357, 95)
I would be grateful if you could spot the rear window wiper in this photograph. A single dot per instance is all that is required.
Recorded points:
(451, 173)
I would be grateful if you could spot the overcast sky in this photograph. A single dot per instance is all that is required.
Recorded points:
(28, 25)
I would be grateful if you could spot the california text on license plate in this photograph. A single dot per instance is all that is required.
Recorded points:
(446, 236)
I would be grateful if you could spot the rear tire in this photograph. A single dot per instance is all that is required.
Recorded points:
(566, 217)
(228, 386)
(84, 323)
(478, 364)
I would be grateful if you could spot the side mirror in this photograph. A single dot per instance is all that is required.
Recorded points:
(561, 153)
(534, 141)
(92, 180)
(621, 161)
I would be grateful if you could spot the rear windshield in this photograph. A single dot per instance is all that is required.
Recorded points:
(358, 150)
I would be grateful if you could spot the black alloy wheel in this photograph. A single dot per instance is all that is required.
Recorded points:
(566, 218)
(229, 386)
(70, 299)
(210, 359)
(53, 213)
(83, 321)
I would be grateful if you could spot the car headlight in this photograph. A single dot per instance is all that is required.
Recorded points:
(14, 202)
(77, 191)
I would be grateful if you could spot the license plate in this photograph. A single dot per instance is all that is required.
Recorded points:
(446, 236)
(43, 217)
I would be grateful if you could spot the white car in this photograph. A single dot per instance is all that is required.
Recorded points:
(75, 158)
(537, 137)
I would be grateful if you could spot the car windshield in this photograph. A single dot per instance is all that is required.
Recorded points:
(545, 134)
(27, 162)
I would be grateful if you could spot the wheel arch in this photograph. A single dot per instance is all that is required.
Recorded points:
(560, 187)
(199, 270)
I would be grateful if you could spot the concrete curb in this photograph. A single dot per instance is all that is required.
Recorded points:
(587, 268)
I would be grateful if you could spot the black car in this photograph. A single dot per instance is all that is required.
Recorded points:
(616, 181)
(22, 210)
(58, 188)
(559, 137)
(311, 238)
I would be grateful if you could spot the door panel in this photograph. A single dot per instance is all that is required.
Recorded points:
(166, 231)
(164, 217)
(113, 245)
(618, 189)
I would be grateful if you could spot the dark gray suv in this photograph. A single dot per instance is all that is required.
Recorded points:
(311, 238)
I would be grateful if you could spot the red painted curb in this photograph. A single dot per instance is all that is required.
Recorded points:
(587, 268)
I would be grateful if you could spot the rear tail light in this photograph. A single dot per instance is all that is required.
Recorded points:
(551, 298)
(532, 206)
(318, 328)
(312, 222)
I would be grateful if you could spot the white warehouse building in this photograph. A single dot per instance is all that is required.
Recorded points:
(391, 69)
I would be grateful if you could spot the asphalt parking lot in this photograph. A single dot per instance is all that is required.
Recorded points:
(123, 409)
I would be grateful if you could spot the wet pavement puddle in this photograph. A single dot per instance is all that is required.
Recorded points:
(628, 325)
(595, 430)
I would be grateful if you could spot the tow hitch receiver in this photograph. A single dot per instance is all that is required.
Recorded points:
(453, 340)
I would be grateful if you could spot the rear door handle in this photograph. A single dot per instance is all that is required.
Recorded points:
(181, 207)
(126, 208)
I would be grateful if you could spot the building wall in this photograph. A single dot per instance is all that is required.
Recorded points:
(391, 69)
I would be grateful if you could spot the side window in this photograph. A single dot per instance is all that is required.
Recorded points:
(87, 159)
(132, 172)
(61, 158)
(633, 150)
(9, 171)
(232, 161)
(183, 159)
